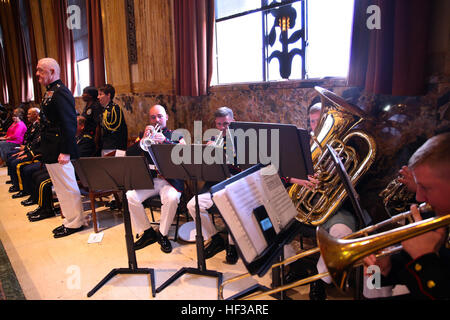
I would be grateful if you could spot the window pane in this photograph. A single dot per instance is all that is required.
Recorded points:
(239, 49)
(226, 8)
(329, 36)
(83, 76)
(277, 48)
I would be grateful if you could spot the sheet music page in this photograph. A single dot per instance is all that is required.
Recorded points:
(244, 197)
(279, 205)
(234, 223)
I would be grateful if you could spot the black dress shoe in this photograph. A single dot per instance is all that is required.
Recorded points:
(20, 194)
(28, 202)
(164, 242)
(148, 237)
(13, 189)
(35, 211)
(58, 229)
(41, 215)
(8, 182)
(317, 290)
(64, 231)
(216, 245)
(232, 255)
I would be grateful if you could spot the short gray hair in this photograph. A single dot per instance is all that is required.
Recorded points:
(223, 112)
(51, 64)
(317, 107)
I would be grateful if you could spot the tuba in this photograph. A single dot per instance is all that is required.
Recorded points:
(338, 128)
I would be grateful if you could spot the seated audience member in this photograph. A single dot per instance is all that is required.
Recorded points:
(169, 190)
(40, 183)
(424, 263)
(114, 133)
(27, 153)
(14, 135)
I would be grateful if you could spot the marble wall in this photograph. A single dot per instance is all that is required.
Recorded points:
(398, 124)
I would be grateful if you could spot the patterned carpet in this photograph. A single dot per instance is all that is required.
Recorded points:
(9, 285)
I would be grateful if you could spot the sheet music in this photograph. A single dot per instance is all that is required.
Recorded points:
(278, 204)
(237, 201)
(244, 198)
(230, 217)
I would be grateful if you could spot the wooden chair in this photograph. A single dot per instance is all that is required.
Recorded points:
(97, 194)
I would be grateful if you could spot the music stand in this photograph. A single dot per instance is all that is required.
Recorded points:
(163, 156)
(294, 156)
(293, 146)
(363, 219)
(122, 174)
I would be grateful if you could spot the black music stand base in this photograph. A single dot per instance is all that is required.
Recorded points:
(117, 271)
(201, 270)
(132, 263)
(182, 271)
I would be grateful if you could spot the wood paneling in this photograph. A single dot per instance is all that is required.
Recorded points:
(155, 66)
(115, 43)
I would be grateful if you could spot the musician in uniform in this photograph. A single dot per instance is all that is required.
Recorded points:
(114, 128)
(58, 145)
(340, 224)
(424, 263)
(168, 189)
(93, 113)
(223, 117)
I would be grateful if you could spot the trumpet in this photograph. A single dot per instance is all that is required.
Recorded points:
(218, 140)
(149, 135)
(341, 254)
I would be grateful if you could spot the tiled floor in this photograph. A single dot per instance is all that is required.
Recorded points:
(68, 268)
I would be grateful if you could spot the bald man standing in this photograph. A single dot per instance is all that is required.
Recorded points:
(58, 145)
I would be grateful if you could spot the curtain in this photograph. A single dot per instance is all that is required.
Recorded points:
(33, 57)
(392, 59)
(3, 78)
(194, 32)
(96, 53)
(16, 65)
(66, 49)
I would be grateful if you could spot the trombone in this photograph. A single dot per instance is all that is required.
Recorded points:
(341, 254)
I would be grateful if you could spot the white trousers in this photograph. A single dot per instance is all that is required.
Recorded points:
(170, 198)
(204, 203)
(68, 193)
(338, 230)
